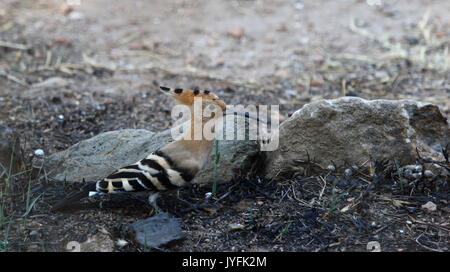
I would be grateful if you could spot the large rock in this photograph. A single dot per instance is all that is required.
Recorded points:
(97, 157)
(11, 161)
(353, 130)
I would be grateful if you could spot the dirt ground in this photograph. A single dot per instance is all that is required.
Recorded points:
(110, 56)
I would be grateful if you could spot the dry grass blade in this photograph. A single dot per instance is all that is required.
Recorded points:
(13, 78)
(11, 45)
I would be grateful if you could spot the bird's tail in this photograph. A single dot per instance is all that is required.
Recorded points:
(75, 197)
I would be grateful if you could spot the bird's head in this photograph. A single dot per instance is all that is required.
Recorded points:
(187, 97)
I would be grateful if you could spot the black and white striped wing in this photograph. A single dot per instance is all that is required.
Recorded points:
(157, 172)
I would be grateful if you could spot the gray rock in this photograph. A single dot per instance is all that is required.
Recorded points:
(354, 130)
(157, 230)
(11, 160)
(97, 157)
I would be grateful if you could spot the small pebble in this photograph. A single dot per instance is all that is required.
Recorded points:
(236, 32)
(415, 168)
(208, 195)
(39, 152)
(429, 206)
(121, 243)
(331, 167)
(236, 226)
(61, 117)
(408, 174)
(348, 172)
(417, 175)
(428, 174)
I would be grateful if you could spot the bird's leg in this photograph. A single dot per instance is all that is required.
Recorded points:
(194, 206)
(152, 200)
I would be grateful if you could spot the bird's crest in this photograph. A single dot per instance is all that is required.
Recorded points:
(187, 97)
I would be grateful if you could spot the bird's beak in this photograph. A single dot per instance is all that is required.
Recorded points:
(167, 91)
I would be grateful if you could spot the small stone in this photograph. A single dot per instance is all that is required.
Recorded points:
(316, 82)
(373, 246)
(39, 152)
(417, 175)
(348, 172)
(236, 32)
(236, 226)
(208, 195)
(409, 174)
(428, 173)
(121, 243)
(429, 206)
(157, 230)
(61, 117)
(331, 167)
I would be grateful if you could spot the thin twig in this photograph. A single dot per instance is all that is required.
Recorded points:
(13, 78)
(426, 247)
(11, 45)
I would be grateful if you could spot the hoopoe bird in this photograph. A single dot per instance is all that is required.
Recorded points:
(168, 168)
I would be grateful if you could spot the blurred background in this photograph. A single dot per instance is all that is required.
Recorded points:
(72, 69)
